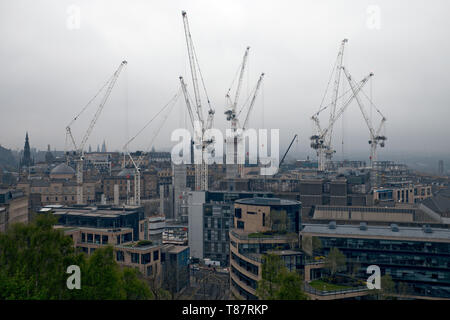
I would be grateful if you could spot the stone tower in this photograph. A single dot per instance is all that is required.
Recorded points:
(26, 158)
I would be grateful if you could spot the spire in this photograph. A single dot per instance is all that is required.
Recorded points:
(26, 159)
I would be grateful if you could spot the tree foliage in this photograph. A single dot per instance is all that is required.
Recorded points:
(335, 261)
(277, 282)
(34, 259)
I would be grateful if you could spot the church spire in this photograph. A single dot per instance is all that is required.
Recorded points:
(26, 158)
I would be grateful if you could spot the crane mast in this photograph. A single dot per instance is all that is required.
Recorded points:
(375, 138)
(337, 80)
(201, 145)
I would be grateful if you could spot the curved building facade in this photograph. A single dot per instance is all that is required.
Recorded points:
(261, 226)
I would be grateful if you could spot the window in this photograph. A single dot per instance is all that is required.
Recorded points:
(97, 238)
(83, 237)
(251, 212)
(90, 238)
(104, 239)
(240, 225)
(155, 255)
(120, 256)
(134, 257)
(145, 258)
(149, 271)
(264, 219)
(238, 212)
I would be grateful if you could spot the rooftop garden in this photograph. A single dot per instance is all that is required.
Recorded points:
(321, 285)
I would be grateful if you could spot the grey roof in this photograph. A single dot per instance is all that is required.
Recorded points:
(378, 231)
(267, 201)
(440, 203)
(62, 169)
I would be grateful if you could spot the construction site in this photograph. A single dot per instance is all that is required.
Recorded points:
(201, 229)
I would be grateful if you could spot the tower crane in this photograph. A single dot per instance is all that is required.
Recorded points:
(319, 141)
(327, 152)
(375, 134)
(137, 163)
(232, 116)
(79, 150)
(246, 119)
(201, 145)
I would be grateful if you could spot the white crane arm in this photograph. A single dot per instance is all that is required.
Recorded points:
(100, 107)
(258, 84)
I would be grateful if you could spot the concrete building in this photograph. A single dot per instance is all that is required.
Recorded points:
(414, 193)
(13, 208)
(156, 227)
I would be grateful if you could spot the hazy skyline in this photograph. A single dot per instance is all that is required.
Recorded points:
(50, 71)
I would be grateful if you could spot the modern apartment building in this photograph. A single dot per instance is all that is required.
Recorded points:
(262, 225)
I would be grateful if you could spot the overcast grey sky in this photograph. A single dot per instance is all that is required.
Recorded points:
(49, 71)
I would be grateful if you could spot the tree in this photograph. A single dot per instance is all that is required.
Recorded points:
(34, 259)
(135, 288)
(272, 269)
(335, 261)
(387, 286)
(277, 282)
(290, 288)
(310, 245)
(102, 277)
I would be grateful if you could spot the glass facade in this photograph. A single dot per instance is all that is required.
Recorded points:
(425, 266)
(217, 219)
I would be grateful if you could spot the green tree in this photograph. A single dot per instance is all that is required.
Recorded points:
(311, 245)
(277, 282)
(335, 261)
(102, 277)
(387, 286)
(272, 269)
(135, 288)
(33, 262)
(290, 287)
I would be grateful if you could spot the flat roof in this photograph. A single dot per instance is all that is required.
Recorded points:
(354, 231)
(257, 201)
(105, 213)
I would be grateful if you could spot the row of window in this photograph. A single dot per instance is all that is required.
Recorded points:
(137, 258)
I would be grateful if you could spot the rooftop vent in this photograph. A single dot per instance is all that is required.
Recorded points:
(394, 227)
(363, 226)
(332, 225)
(427, 229)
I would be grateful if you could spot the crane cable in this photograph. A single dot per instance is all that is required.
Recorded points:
(91, 100)
(173, 99)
